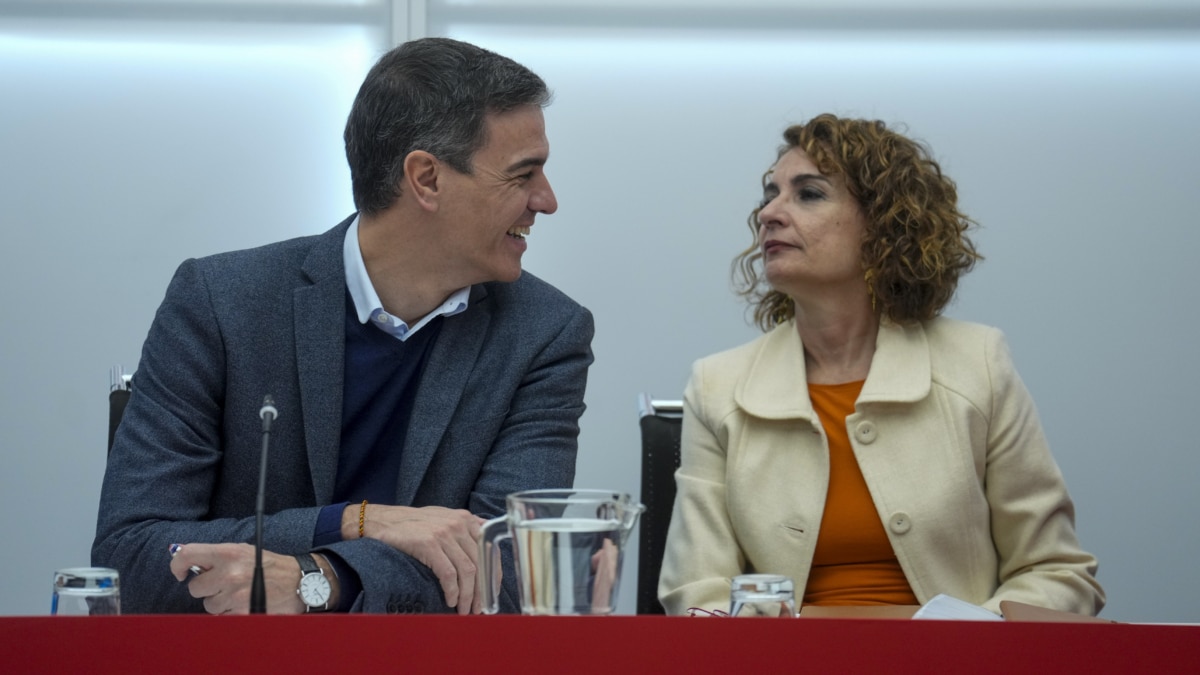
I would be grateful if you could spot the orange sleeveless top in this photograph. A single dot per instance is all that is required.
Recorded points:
(854, 563)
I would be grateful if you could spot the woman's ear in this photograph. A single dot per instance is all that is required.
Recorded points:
(422, 178)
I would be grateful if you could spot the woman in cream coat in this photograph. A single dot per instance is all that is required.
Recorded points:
(861, 244)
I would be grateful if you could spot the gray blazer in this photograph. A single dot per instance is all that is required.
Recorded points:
(497, 411)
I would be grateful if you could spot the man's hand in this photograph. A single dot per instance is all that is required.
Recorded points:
(227, 572)
(444, 540)
(604, 566)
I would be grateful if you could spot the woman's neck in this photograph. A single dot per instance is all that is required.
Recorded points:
(839, 340)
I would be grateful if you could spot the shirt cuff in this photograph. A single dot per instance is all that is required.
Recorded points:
(329, 525)
(348, 581)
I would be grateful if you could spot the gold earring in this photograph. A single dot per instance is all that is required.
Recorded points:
(870, 288)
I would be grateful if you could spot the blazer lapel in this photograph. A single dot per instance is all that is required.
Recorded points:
(320, 311)
(451, 361)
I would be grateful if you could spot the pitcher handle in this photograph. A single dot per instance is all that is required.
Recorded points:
(490, 534)
(629, 519)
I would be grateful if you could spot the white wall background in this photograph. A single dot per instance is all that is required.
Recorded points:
(1070, 132)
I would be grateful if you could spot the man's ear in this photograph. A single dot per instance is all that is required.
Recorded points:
(423, 179)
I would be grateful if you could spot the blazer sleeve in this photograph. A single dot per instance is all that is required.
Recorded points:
(162, 480)
(702, 553)
(1032, 516)
(538, 439)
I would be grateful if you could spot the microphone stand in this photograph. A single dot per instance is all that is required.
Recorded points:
(258, 591)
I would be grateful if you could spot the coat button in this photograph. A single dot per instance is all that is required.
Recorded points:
(865, 432)
(899, 522)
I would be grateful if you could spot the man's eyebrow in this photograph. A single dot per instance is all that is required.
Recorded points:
(525, 163)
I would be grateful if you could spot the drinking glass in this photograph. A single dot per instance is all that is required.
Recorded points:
(771, 595)
(86, 591)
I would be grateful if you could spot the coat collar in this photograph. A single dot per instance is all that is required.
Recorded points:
(900, 372)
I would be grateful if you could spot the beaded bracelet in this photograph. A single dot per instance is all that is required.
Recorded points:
(362, 518)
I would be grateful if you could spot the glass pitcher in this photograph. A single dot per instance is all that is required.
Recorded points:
(568, 546)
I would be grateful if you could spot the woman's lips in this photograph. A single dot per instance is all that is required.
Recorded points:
(773, 245)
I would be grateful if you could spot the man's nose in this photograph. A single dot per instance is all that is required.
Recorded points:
(543, 199)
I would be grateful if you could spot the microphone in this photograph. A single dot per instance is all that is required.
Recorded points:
(258, 591)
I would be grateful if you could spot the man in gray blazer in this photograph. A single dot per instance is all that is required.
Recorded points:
(419, 376)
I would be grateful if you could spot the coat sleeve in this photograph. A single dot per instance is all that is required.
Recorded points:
(167, 461)
(702, 553)
(1032, 516)
(537, 442)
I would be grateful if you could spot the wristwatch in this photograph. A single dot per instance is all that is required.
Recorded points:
(314, 588)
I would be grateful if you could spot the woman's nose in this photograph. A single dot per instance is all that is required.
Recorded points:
(768, 216)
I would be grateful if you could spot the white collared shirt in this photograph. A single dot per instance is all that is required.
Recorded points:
(366, 301)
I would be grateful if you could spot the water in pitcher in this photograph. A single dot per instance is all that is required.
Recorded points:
(568, 565)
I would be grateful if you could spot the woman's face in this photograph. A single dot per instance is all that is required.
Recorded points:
(810, 229)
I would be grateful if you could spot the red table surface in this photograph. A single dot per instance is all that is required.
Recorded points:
(613, 645)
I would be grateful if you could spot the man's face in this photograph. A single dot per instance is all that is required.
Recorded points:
(489, 212)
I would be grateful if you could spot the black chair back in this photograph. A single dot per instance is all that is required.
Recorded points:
(120, 387)
(660, 423)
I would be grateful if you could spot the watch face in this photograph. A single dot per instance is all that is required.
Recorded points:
(314, 590)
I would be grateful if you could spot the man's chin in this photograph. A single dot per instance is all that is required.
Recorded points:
(510, 277)
(505, 275)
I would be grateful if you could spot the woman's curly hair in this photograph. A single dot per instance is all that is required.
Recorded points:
(915, 246)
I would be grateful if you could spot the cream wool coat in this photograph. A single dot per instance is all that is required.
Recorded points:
(951, 449)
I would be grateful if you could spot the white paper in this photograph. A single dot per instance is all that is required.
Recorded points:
(943, 606)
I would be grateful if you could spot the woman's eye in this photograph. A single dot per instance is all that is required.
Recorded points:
(810, 194)
(767, 198)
